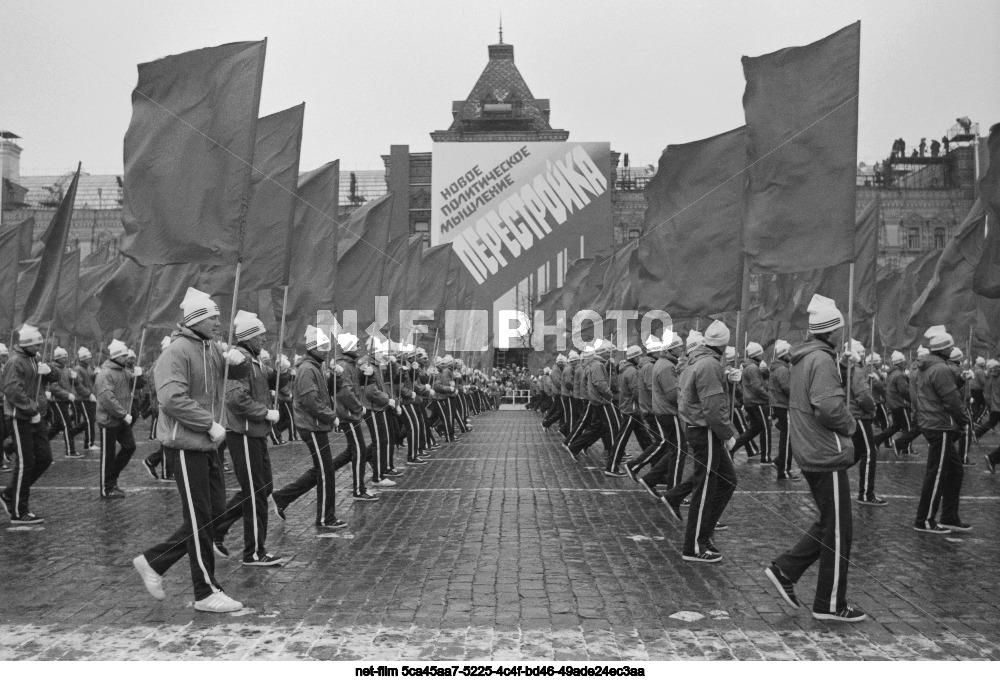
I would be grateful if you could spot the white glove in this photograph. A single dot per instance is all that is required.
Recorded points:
(72, 374)
(907, 373)
(93, 398)
(392, 359)
(339, 369)
(43, 368)
(392, 402)
(72, 397)
(295, 372)
(730, 443)
(216, 433)
(283, 363)
(233, 357)
(451, 384)
(873, 376)
(48, 395)
(399, 411)
(968, 375)
(35, 419)
(272, 415)
(137, 371)
(735, 375)
(336, 422)
(128, 418)
(364, 410)
(431, 392)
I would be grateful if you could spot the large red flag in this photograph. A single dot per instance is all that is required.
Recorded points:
(188, 155)
(986, 278)
(11, 240)
(801, 106)
(272, 206)
(690, 251)
(362, 261)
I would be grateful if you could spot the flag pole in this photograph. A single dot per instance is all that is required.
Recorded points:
(229, 344)
(281, 340)
(142, 336)
(142, 343)
(850, 326)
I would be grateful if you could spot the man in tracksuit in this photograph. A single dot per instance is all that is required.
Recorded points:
(26, 406)
(582, 410)
(351, 411)
(628, 406)
(114, 419)
(777, 394)
(755, 403)
(377, 404)
(444, 389)
(570, 409)
(862, 409)
(670, 451)
(978, 389)
(63, 399)
(190, 377)
(941, 416)
(86, 400)
(555, 412)
(249, 417)
(897, 398)
(820, 427)
(991, 395)
(644, 407)
(601, 421)
(703, 406)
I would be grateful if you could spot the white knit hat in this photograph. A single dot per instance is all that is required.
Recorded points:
(980, 361)
(28, 336)
(730, 354)
(922, 351)
(117, 349)
(247, 325)
(717, 334)
(934, 330)
(824, 315)
(3, 349)
(561, 359)
(588, 351)
(547, 370)
(633, 351)
(84, 353)
(855, 347)
(897, 357)
(695, 339)
(347, 342)
(603, 347)
(754, 350)
(956, 354)
(573, 356)
(197, 306)
(60, 353)
(671, 340)
(940, 341)
(653, 344)
(164, 342)
(992, 363)
(781, 348)
(316, 339)
(447, 360)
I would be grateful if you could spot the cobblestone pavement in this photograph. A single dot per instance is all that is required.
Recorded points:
(502, 548)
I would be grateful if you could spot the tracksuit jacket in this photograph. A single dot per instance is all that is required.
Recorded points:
(598, 383)
(897, 394)
(777, 383)
(349, 404)
(189, 377)
(566, 378)
(819, 423)
(556, 378)
(83, 384)
(114, 389)
(701, 399)
(937, 400)
(24, 395)
(644, 384)
(628, 395)
(754, 387)
(247, 399)
(665, 386)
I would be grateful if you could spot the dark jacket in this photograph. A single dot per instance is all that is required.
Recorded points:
(665, 386)
(754, 386)
(189, 377)
(248, 399)
(597, 381)
(23, 390)
(862, 404)
(568, 370)
(114, 392)
(62, 386)
(778, 383)
(819, 422)
(644, 384)
(311, 398)
(937, 400)
(897, 393)
(349, 405)
(701, 399)
(556, 377)
(83, 384)
(628, 395)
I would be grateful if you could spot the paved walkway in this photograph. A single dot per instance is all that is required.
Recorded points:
(502, 548)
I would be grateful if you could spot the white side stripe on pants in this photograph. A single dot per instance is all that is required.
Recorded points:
(194, 520)
(321, 482)
(704, 495)
(931, 510)
(836, 543)
(20, 469)
(253, 496)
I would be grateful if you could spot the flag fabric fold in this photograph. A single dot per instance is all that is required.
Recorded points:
(986, 277)
(362, 259)
(188, 155)
(690, 251)
(11, 243)
(801, 107)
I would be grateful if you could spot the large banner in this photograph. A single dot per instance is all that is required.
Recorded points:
(507, 208)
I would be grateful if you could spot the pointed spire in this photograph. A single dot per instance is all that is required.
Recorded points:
(501, 27)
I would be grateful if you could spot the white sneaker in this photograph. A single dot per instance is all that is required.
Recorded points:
(218, 603)
(152, 580)
(385, 482)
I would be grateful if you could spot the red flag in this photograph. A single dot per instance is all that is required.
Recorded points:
(362, 260)
(42, 302)
(986, 278)
(801, 106)
(272, 206)
(188, 155)
(690, 252)
(11, 240)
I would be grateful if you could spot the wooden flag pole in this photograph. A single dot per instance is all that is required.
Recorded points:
(142, 343)
(229, 344)
(142, 336)
(850, 326)
(281, 340)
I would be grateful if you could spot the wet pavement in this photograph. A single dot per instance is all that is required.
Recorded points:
(501, 548)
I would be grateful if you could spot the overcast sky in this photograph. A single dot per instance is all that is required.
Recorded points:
(638, 74)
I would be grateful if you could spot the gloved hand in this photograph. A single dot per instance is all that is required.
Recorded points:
(48, 395)
(216, 433)
(431, 392)
(735, 375)
(968, 375)
(730, 443)
(451, 384)
(137, 371)
(35, 419)
(283, 363)
(43, 368)
(93, 397)
(272, 415)
(336, 422)
(128, 418)
(392, 402)
(72, 374)
(392, 359)
(72, 397)
(399, 411)
(233, 357)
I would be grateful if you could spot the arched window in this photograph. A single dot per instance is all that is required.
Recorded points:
(913, 238)
(939, 237)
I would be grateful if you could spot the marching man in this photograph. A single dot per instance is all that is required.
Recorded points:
(113, 387)
(83, 384)
(189, 385)
(64, 398)
(821, 427)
